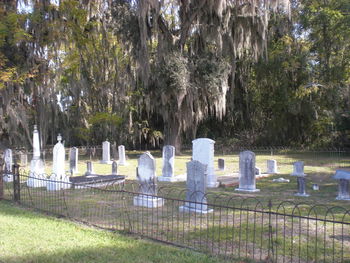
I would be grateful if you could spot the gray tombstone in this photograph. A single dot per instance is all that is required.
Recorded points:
(301, 181)
(271, 167)
(114, 168)
(247, 172)
(168, 164)
(196, 189)
(8, 176)
(121, 155)
(106, 156)
(73, 160)
(89, 168)
(221, 164)
(146, 175)
(298, 169)
(343, 177)
(203, 151)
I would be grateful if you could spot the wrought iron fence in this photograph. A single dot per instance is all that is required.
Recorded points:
(235, 228)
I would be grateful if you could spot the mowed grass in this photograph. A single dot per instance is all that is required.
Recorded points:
(319, 167)
(26, 236)
(315, 162)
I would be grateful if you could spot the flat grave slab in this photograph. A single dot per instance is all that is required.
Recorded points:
(96, 180)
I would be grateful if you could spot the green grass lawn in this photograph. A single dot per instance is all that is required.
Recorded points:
(26, 236)
(215, 232)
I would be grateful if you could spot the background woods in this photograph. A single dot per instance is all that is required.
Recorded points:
(147, 72)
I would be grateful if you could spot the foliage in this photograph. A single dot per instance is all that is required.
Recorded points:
(146, 73)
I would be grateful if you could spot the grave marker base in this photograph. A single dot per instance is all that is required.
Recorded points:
(247, 190)
(148, 201)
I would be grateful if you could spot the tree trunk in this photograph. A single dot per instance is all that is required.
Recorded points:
(172, 134)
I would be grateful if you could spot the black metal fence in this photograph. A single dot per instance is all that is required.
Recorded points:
(236, 228)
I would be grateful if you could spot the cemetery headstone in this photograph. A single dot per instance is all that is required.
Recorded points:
(315, 187)
(196, 189)
(89, 168)
(271, 167)
(257, 171)
(73, 160)
(301, 181)
(8, 176)
(37, 176)
(203, 151)
(121, 155)
(221, 164)
(36, 143)
(298, 171)
(168, 164)
(343, 177)
(106, 157)
(58, 179)
(114, 168)
(146, 175)
(247, 181)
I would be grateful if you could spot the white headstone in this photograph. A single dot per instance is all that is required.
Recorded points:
(58, 162)
(196, 189)
(58, 167)
(146, 175)
(146, 168)
(247, 172)
(37, 177)
(106, 157)
(36, 143)
(8, 176)
(121, 155)
(203, 151)
(73, 160)
(271, 166)
(298, 169)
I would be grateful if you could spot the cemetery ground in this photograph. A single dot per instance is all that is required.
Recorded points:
(27, 236)
(319, 167)
(225, 231)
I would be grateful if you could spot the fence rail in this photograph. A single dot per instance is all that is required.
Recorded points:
(236, 228)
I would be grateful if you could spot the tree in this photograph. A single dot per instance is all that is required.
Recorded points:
(187, 54)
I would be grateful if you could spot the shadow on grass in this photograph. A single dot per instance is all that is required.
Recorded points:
(138, 253)
(26, 236)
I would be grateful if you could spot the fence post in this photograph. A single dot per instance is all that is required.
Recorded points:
(16, 183)
(1, 179)
(270, 249)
